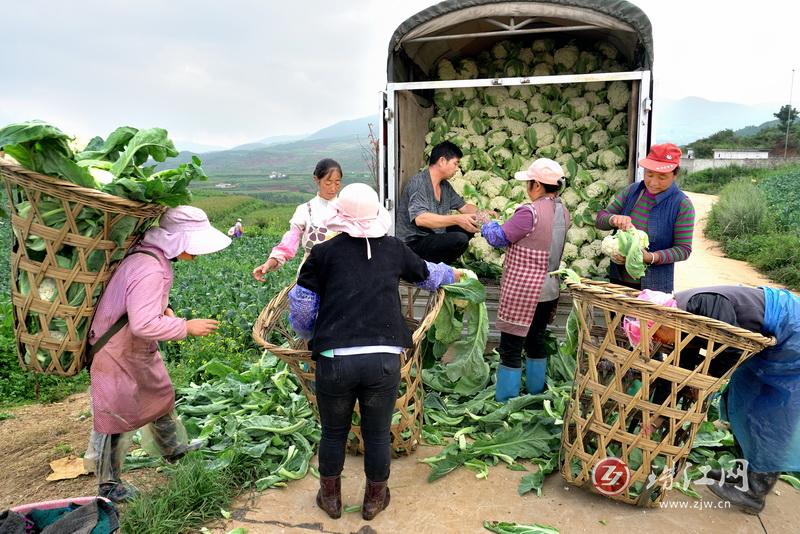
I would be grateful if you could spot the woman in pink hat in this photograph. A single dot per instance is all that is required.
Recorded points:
(347, 303)
(307, 225)
(657, 206)
(534, 237)
(130, 384)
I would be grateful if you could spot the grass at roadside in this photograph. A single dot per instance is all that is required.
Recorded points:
(758, 221)
(711, 181)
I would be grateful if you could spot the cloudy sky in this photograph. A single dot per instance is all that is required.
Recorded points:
(225, 73)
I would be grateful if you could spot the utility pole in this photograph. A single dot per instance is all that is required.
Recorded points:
(789, 117)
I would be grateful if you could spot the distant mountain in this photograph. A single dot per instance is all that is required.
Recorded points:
(269, 141)
(298, 157)
(197, 148)
(356, 128)
(752, 130)
(688, 119)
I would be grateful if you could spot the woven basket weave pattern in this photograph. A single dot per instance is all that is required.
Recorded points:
(606, 411)
(420, 309)
(34, 315)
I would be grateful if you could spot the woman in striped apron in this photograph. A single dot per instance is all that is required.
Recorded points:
(534, 237)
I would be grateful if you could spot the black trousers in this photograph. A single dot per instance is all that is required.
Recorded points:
(372, 379)
(511, 346)
(445, 248)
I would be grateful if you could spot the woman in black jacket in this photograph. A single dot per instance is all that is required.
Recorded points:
(346, 302)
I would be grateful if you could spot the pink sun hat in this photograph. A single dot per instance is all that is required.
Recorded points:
(358, 213)
(185, 229)
(631, 326)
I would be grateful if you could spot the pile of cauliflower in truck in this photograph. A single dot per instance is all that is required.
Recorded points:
(502, 129)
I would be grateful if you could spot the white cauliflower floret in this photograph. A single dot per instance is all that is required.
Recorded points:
(514, 109)
(607, 49)
(577, 107)
(467, 69)
(586, 124)
(543, 69)
(476, 177)
(538, 116)
(569, 140)
(464, 94)
(496, 138)
(570, 198)
(538, 103)
(596, 189)
(543, 45)
(619, 95)
(444, 100)
(592, 98)
(585, 267)
(599, 139)
(570, 252)
(566, 57)
(616, 178)
(602, 112)
(495, 96)
(521, 92)
(515, 127)
(501, 155)
(618, 123)
(578, 235)
(551, 151)
(445, 70)
(519, 193)
(526, 56)
(595, 86)
(610, 158)
(588, 62)
(563, 121)
(477, 141)
(479, 247)
(591, 250)
(48, 289)
(492, 186)
(458, 183)
(491, 112)
(498, 203)
(610, 246)
(500, 50)
(541, 134)
(572, 91)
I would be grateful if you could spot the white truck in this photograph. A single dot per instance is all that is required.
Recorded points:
(456, 29)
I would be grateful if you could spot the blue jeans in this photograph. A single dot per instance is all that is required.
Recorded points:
(372, 379)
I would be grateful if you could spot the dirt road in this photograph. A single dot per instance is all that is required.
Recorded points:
(708, 266)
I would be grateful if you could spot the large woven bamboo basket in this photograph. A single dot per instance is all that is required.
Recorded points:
(608, 409)
(51, 329)
(420, 308)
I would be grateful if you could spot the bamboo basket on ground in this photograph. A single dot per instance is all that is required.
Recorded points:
(420, 308)
(607, 411)
(63, 267)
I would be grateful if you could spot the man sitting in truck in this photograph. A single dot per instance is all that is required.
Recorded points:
(424, 222)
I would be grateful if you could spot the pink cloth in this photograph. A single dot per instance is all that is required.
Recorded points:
(631, 326)
(130, 384)
(287, 248)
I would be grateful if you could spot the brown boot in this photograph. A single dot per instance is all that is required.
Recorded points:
(329, 496)
(376, 498)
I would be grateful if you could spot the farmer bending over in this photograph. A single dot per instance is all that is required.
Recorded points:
(130, 385)
(762, 400)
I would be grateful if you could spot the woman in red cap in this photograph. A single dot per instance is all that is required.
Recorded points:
(657, 206)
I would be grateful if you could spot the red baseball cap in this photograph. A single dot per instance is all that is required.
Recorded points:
(662, 158)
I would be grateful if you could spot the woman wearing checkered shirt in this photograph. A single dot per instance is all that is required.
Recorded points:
(534, 237)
